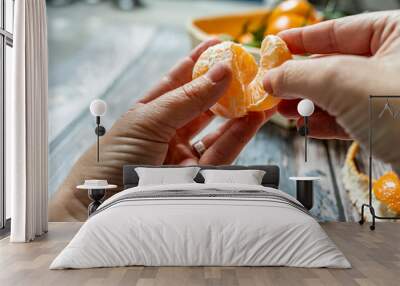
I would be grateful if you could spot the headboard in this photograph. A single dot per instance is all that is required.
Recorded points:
(270, 179)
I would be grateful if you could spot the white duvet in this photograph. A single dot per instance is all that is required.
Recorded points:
(190, 231)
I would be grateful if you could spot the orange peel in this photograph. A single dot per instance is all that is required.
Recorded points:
(387, 190)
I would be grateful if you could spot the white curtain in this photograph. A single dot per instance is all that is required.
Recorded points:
(26, 117)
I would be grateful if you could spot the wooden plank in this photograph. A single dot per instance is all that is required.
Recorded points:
(96, 63)
(337, 151)
(77, 137)
(375, 258)
(274, 145)
(327, 207)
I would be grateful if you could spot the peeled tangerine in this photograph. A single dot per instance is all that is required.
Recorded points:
(245, 92)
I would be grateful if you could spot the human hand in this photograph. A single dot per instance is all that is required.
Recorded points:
(158, 130)
(356, 57)
(177, 109)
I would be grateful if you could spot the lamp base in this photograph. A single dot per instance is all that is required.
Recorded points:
(305, 193)
(304, 190)
(96, 195)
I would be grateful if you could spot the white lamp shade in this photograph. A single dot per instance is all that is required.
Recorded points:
(305, 107)
(98, 107)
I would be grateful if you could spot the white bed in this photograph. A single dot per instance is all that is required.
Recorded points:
(249, 226)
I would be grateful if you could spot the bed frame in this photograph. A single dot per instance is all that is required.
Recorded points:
(270, 179)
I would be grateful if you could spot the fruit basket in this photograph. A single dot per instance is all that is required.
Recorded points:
(249, 28)
(201, 29)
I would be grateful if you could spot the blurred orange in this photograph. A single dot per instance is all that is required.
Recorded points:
(387, 191)
(300, 8)
(291, 14)
(245, 92)
(285, 22)
(246, 39)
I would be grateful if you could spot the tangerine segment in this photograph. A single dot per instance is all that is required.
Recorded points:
(274, 52)
(387, 190)
(245, 92)
(244, 68)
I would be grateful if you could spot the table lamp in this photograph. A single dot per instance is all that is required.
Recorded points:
(98, 108)
(304, 185)
(305, 108)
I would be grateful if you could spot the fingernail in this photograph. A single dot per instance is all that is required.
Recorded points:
(302, 130)
(217, 72)
(267, 84)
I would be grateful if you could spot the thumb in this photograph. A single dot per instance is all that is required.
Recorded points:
(323, 80)
(180, 106)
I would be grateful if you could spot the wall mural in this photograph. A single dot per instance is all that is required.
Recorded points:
(113, 56)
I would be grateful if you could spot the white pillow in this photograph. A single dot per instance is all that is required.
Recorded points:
(248, 177)
(164, 176)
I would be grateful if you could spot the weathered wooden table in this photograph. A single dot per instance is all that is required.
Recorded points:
(107, 54)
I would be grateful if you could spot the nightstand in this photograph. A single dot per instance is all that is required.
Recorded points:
(304, 190)
(96, 191)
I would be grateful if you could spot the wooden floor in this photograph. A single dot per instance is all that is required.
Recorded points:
(374, 255)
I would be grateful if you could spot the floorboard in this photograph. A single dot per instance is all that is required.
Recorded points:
(374, 255)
